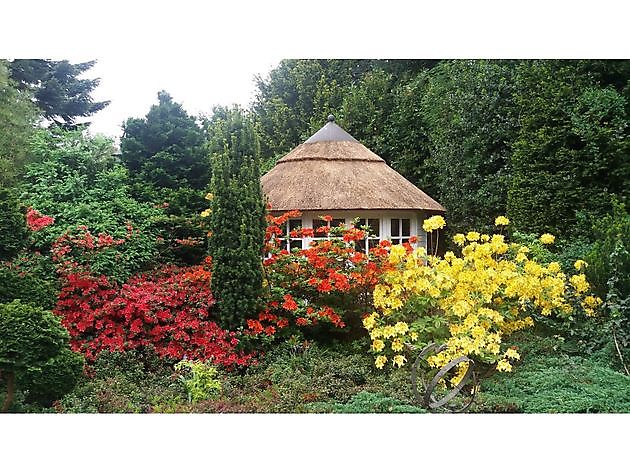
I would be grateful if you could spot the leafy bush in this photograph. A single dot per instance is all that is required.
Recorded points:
(135, 381)
(199, 379)
(13, 231)
(167, 310)
(16, 284)
(34, 347)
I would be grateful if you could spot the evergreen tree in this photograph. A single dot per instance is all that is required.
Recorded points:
(237, 219)
(57, 89)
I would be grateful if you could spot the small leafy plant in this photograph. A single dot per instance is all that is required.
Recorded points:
(199, 379)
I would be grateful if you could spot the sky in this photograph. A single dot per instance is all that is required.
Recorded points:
(132, 84)
(207, 53)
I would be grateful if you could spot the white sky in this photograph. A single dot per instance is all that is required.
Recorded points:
(131, 84)
(207, 54)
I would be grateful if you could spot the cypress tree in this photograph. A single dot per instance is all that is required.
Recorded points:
(237, 219)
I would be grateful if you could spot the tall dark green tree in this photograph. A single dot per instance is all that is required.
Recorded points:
(571, 152)
(237, 219)
(165, 150)
(59, 92)
(470, 119)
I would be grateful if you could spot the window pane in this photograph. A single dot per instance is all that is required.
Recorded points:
(294, 223)
(375, 227)
(360, 246)
(405, 240)
(406, 227)
(296, 244)
(395, 227)
(337, 221)
(373, 243)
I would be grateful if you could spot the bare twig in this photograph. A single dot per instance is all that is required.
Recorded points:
(619, 353)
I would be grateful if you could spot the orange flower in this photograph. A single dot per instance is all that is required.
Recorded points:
(326, 218)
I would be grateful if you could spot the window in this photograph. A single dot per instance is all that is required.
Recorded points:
(373, 236)
(400, 230)
(287, 242)
(317, 223)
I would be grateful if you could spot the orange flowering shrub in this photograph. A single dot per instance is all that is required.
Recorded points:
(326, 283)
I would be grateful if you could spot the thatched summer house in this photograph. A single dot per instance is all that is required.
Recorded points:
(331, 173)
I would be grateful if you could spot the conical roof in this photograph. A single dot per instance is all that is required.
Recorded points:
(333, 171)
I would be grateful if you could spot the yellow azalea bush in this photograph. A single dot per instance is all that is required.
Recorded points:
(471, 302)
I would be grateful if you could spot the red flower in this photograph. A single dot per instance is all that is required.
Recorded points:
(413, 239)
(35, 221)
(289, 303)
(326, 218)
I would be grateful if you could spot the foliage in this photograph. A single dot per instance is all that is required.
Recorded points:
(13, 231)
(330, 282)
(609, 269)
(26, 286)
(236, 218)
(168, 310)
(569, 153)
(550, 381)
(470, 119)
(471, 303)
(134, 381)
(366, 403)
(199, 379)
(165, 149)
(33, 347)
(57, 89)
(18, 116)
(77, 181)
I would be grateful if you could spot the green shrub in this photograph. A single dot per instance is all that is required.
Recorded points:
(16, 284)
(34, 348)
(13, 231)
(199, 379)
(550, 381)
(130, 382)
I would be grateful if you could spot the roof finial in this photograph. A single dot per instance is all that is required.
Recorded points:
(331, 118)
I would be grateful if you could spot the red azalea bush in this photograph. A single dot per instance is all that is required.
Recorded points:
(35, 221)
(168, 309)
(330, 282)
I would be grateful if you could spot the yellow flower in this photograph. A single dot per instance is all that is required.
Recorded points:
(378, 345)
(369, 322)
(580, 264)
(579, 282)
(434, 223)
(553, 267)
(380, 361)
(399, 360)
(413, 336)
(501, 221)
(547, 239)
(401, 328)
(459, 239)
(504, 365)
(206, 213)
(397, 345)
(512, 353)
(472, 236)
(209, 196)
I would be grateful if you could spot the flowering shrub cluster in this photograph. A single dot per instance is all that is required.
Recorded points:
(169, 309)
(35, 221)
(323, 283)
(471, 303)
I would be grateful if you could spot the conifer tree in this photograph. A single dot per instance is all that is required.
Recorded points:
(237, 219)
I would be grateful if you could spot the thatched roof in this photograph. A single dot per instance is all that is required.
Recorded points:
(333, 171)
